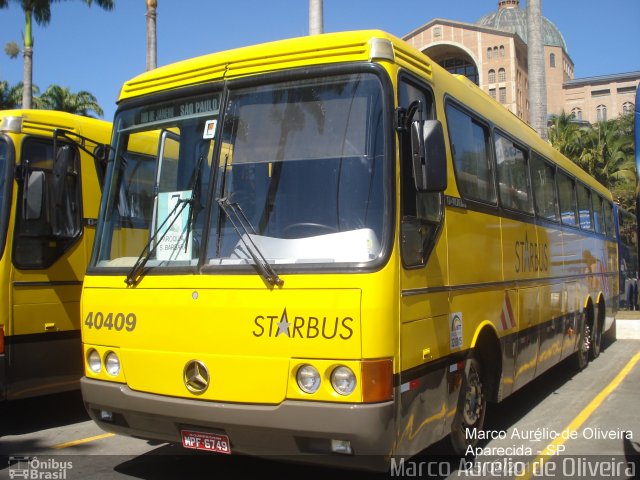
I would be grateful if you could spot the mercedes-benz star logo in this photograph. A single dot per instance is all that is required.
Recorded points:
(196, 377)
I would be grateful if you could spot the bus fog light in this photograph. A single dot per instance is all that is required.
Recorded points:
(93, 360)
(343, 380)
(308, 379)
(341, 446)
(112, 364)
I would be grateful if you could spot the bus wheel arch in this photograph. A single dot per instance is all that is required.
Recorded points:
(597, 325)
(488, 351)
(480, 383)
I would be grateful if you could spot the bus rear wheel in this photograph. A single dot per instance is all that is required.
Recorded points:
(472, 406)
(581, 357)
(596, 340)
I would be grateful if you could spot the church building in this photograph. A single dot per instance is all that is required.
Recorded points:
(492, 52)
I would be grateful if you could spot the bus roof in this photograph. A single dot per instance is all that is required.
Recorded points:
(363, 45)
(45, 121)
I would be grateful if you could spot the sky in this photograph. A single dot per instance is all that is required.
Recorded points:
(87, 48)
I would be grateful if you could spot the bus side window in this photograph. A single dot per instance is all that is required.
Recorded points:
(584, 207)
(596, 201)
(49, 220)
(544, 188)
(609, 219)
(421, 211)
(471, 152)
(567, 195)
(513, 175)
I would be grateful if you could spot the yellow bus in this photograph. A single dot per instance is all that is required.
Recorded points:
(342, 250)
(51, 165)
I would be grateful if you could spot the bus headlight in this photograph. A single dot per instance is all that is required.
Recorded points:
(308, 379)
(343, 380)
(112, 364)
(93, 360)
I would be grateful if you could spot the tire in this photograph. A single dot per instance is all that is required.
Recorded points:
(596, 339)
(581, 357)
(610, 335)
(472, 407)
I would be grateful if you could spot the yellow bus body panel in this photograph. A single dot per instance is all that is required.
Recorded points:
(245, 333)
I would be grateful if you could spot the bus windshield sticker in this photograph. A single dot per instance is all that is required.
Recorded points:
(455, 332)
(176, 244)
(210, 129)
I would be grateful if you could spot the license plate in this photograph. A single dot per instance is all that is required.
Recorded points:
(211, 442)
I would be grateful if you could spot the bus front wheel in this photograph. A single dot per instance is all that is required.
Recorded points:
(472, 406)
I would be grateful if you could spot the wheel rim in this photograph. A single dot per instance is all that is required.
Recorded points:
(473, 399)
(586, 341)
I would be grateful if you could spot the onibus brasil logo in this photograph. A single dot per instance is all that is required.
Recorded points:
(21, 466)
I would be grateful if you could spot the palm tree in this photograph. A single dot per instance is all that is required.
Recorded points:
(152, 56)
(315, 17)
(565, 135)
(11, 97)
(537, 82)
(62, 99)
(605, 151)
(606, 154)
(40, 10)
(7, 96)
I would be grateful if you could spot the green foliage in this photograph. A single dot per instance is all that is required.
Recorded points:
(12, 49)
(55, 97)
(60, 98)
(605, 150)
(11, 96)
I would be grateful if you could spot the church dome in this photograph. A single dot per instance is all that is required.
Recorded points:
(511, 18)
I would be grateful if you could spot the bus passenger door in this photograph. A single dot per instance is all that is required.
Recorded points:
(49, 263)
(424, 327)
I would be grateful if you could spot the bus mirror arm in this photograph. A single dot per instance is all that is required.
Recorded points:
(100, 152)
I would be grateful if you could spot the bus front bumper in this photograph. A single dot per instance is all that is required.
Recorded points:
(293, 430)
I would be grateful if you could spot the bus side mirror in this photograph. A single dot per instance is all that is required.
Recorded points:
(428, 155)
(33, 193)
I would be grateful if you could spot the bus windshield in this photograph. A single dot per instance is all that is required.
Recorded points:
(298, 177)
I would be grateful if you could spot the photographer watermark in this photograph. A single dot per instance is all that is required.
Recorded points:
(21, 466)
(562, 466)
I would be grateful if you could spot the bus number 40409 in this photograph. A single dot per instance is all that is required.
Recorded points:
(115, 321)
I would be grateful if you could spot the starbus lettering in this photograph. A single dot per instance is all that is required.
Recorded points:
(530, 256)
(327, 328)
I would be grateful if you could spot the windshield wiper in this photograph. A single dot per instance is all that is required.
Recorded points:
(136, 272)
(243, 228)
(195, 198)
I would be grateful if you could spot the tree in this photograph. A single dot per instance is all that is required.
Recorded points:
(11, 96)
(62, 99)
(537, 82)
(607, 154)
(565, 135)
(152, 40)
(604, 150)
(315, 17)
(40, 10)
